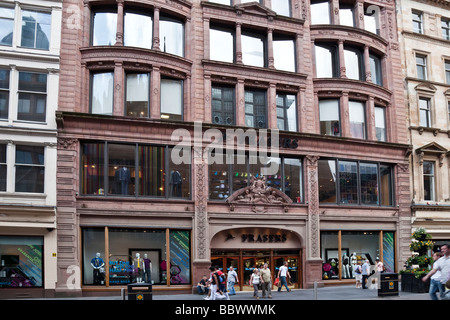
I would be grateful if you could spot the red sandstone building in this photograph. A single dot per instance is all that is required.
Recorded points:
(327, 74)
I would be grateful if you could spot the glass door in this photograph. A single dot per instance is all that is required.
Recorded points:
(293, 268)
(248, 265)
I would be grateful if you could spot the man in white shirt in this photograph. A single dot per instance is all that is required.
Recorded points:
(442, 265)
(232, 279)
(282, 274)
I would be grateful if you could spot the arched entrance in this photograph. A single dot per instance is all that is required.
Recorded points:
(249, 248)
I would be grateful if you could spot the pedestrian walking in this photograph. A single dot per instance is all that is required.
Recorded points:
(283, 273)
(266, 281)
(442, 265)
(379, 265)
(255, 280)
(357, 271)
(435, 283)
(231, 280)
(365, 272)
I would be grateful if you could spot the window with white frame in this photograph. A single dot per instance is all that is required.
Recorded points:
(421, 66)
(6, 26)
(32, 89)
(425, 112)
(3, 167)
(428, 181)
(447, 71)
(4, 94)
(417, 21)
(445, 27)
(30, 169)
(36, 28)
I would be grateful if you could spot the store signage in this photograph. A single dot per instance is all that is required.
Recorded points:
(263, 238)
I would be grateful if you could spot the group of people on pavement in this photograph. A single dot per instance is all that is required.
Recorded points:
(440, 275)
(221, 286)
(364, 271)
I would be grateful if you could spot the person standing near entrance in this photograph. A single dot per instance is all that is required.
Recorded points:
(365, 273)
(266, 281)
(231, 280)
(282, 274)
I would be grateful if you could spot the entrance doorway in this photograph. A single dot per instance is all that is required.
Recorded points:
(244, 261)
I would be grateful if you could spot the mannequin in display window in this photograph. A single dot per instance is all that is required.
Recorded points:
(354, 262)
(98, 264)
(138, 267)
(345, 267)
(175, 183)
(147, 269)
(123, 178)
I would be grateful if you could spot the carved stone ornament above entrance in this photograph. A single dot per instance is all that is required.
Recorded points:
(259, 196)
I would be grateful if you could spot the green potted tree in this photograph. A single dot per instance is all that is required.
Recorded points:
(419, 264)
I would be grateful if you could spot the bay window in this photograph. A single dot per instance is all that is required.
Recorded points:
(284, 53)
(320, 12)
(221, 44)
(171, 35)
(171, 99)
(354, 65)
(137, 95)
(375, 69)
(380, 123)
(346, 15)
(329, 117)
(326, 60)
(357, 119)
(138, 30)
(253, 49)
(102, 93)
(104, 28)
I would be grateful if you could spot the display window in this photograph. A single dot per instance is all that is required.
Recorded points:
(343, 250)
(136, 256)
(21, 262)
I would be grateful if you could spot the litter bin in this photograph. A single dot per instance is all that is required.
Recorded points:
(388, 284)
(140, 291)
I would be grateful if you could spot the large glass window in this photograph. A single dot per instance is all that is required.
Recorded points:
(327, 181)
(253, 49)
(151, 163)
(255, 109)
(425, 112)
(386, 192)
(2, 167)
(286, 112)
(320, 12)
(32, 96)
(171, 35)
(353, 63)
(380, 123)
(346, 16)
(221, 44)
(357, 116)
(329, 117)
(326, 61)
(36, 28)
(21, 262)
(137, 95)
(284, 54)
(421, 64)
(105, 28)
(4, 93)
(102, 93)
(368, 176)
(348, 182)
(30, 169)
(282, 7)
(222, 105)
(428, 181)
(293, 186)
(138, 30)
(375, 69)
(6, 26)
(171, 99)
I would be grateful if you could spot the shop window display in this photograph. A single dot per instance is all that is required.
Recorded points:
(21, 264)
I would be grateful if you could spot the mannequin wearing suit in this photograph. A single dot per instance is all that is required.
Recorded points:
(123, 178)
(139, 267)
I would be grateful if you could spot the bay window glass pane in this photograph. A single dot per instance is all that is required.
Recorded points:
(222, 103)
(353, 64)
(325, 60)
(138, 30)
(368, 174)
(32, 96)
(293, 179)
(137, 95)
(219, 175)
(94, 256)
(180, 253)
(129, 260)
(102, 93)
(375, 69)
(171, 99)
(320, 12)
(380, 123)
(357, 119)
(329, 117)
(221, 45)
(2, 167)
(386, 196)
(428, 181)
(284, 54)
(30, 169)
(22, 262)
(36, 29)
(282, 7)
(253, 50)
(105, 28)
(4, 94)
(346, 17)
(92, 168)
(348, 182)
(121, 169)
(151, 171)
(6, 26)
(171, 35)
(327, 181)
(179, 179)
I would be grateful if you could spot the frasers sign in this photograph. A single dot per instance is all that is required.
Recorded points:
(260, 238)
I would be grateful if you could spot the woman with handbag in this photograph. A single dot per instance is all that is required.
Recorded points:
(256, 280)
